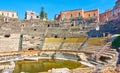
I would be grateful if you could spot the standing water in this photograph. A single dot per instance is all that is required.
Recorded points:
(44, 65)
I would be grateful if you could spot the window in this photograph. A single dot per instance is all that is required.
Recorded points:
(7, 14)
(71, 15)
(118, 10)
(7, 35)
(12, 15)
(118, 5)
(88, 15)
(79, 14)
(32, 13)
(64, 16)
(2, 13)
(31, 17)
(94, 14)
(37, 16)
(113, 13)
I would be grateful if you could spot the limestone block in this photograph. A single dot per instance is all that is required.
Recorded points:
(82, 56)
(60, 70)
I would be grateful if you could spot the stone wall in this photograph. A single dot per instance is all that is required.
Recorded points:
(9, 43)
(111, 14)
(30, 41)
(34, 31)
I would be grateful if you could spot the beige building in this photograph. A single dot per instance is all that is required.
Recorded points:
(31, 15)
(10, 14)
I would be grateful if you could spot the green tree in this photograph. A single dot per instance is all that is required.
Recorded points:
(42, 13)
(46, 16)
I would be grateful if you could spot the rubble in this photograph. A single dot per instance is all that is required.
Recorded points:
(82, 57)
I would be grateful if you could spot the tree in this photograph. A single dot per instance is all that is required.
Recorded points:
(46, 16)
(42, 13)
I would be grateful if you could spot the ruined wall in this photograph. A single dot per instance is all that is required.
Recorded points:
(107, 16)
(111, 14)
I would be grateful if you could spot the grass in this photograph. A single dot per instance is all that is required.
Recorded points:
(68, 40)
(91, 41)
(53, 40)
(95, 41)
(74, 27)
(74, 40)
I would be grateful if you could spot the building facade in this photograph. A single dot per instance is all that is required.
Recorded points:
(31, 15)
(111, 14)
(77, 14)
(10, 14)
(92, 14)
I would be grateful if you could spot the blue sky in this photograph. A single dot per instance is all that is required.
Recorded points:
(53, 7)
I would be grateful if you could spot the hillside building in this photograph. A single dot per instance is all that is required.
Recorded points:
(31, 15)
(71, 14)
(10, 14)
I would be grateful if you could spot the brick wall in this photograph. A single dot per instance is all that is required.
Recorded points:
(106, 16)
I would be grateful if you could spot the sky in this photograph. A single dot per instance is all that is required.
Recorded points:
(53, 7)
